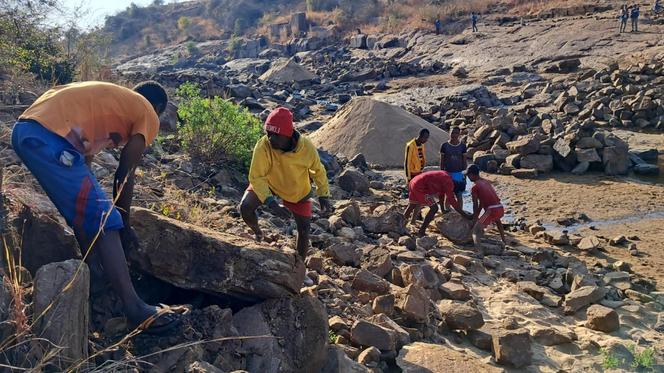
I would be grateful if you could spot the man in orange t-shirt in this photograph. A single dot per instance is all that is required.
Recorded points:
(56, 138)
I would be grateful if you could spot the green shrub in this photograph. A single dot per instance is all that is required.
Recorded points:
(332, 337)
(609, 360)
(644, 359)
(183, 23)
(192, 49)
(213, 129)
(234, 44)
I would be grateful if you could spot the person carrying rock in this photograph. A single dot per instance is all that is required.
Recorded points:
(57, 138)
(415, 157)
(484, 198)
(473, 20)
(283, 164)
(423, 191)
(623, 15)
(634, 15)
(453, 160)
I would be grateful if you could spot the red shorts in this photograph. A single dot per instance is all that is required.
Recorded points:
(491, 215)
(418, 197)
(303, 208)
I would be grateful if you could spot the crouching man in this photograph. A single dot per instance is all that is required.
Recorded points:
(57, 138)
(283, 165)
(484, 198)
(430, 189)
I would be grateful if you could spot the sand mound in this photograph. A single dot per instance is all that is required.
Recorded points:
(378, 130)
(287, 71)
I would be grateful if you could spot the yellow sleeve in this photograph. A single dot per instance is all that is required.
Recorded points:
(413, 160)
(424, 155)
(317, 171)
(406, 162)
(260, 167)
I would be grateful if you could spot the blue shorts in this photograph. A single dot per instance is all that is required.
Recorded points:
(459, 181)
(66, 179)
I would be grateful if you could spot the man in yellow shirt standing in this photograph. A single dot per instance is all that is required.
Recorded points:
(414, 162)
(283, 165)
(415, 158)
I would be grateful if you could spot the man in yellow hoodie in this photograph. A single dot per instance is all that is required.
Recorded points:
(415, 158)
(283, 165)
(414, 162)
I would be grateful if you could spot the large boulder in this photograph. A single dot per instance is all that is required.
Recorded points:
(191, 257)
(43, 235)
(582, 297)
(385, 219)
(353, 181)
(616, 160)
(602, 318)
(525, 145)
(540, 162)
(61, 292)
(413, 303)
(455, 228)
(358, 41)
(512, 347)
(429, 358)
(460, 316)
(299, 321)
(366, 333)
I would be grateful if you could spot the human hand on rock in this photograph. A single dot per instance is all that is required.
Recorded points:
(325, 205)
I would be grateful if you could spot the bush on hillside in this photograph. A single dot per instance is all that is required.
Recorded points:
(213, 129)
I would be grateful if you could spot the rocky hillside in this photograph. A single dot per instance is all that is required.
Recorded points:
(140, 29)
(563, 114)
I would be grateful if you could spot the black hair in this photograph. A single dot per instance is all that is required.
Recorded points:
(455, 128)
(424, 132)
(154, 93)
(473, 169)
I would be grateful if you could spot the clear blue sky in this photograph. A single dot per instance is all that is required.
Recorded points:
(97, 10)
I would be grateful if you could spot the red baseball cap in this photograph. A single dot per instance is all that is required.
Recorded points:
(280, 121)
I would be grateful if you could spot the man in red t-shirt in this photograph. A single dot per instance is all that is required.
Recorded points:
(424, 189)
(484, 198)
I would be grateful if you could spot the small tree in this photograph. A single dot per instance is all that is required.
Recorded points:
(183, 23)
(238, 28)
(214, 129)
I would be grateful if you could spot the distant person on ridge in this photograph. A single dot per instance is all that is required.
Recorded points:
(430, 189)
(473, 20)
(438, 25)
(484, 198)
(635, 18)
(453, 160)
(622, 16)
(57, 138)
(415, 158)
(283, 165)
